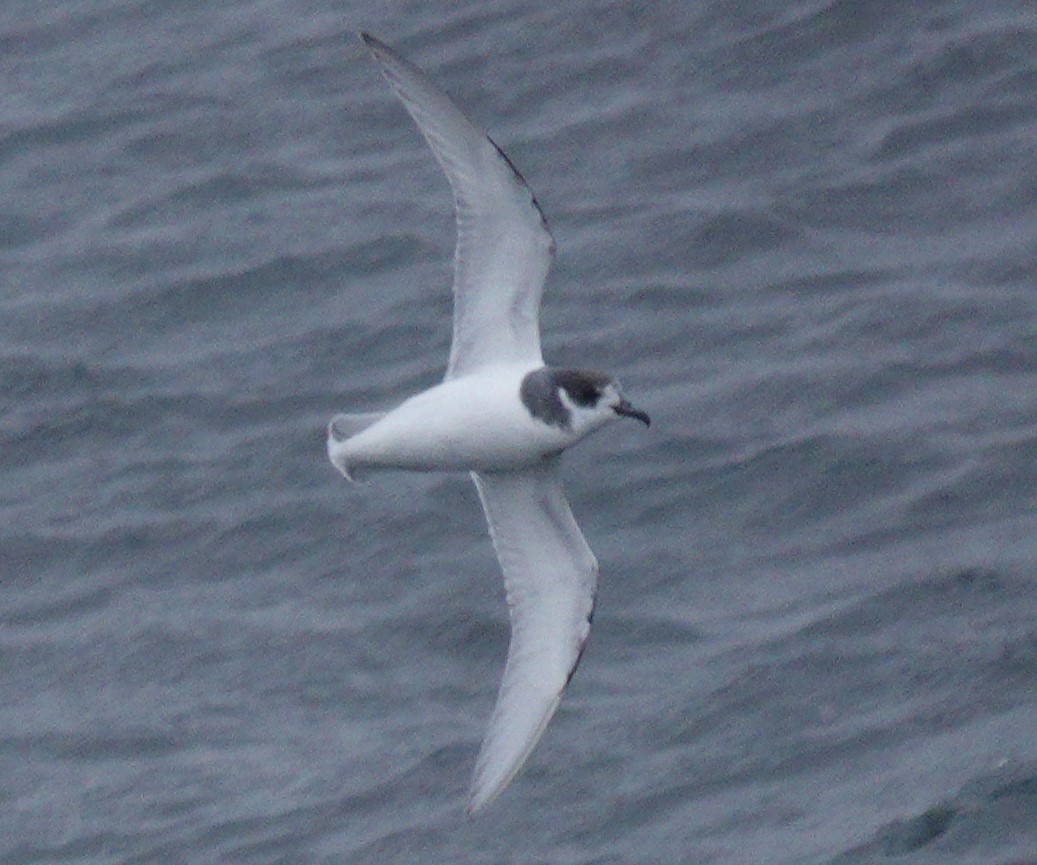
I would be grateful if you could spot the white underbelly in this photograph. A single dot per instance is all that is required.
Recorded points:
(472, 424)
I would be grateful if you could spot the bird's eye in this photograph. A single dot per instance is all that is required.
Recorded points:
(585, 395)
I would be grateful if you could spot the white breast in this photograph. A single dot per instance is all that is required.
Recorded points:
(472, 423)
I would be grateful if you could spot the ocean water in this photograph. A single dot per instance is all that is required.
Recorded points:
(804, 234)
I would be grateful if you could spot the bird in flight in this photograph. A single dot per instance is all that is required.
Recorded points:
(503, 415)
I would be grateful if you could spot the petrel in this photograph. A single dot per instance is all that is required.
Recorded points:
(503, 415)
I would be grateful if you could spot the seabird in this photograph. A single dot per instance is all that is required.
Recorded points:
(503, 415)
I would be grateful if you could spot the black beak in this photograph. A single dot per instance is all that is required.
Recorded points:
(627, 410)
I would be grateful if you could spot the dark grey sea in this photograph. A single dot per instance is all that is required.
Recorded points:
(803, 234)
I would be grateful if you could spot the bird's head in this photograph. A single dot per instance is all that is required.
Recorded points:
(577, 400)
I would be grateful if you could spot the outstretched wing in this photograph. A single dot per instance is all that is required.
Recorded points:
(550, 576)
(504, 247)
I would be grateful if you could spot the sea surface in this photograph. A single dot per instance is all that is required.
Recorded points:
(803, 234)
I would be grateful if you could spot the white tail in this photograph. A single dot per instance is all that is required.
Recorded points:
(342, 428)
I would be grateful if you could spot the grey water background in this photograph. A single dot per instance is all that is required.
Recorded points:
(803, 234)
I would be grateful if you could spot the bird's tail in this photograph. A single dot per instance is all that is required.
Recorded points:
(340, 430)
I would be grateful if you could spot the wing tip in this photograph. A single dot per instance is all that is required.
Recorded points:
(377, 47)
(492, 776)
(476, 804)
(484, 793)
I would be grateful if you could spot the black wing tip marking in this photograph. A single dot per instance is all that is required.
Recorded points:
(377, 46)
(526, 186)
(583, 645)
(381, 50)
(370, 40)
